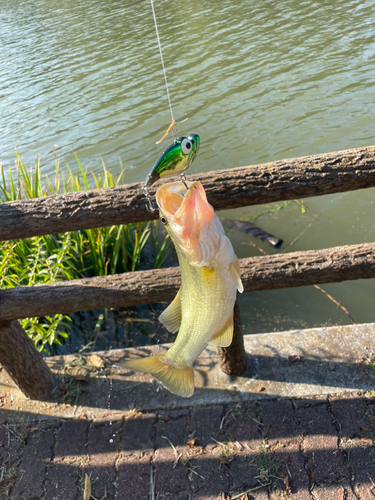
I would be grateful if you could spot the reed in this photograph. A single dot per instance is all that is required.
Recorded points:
(67, 256)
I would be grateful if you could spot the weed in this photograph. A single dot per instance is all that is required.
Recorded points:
(267, 468)
(276, 207)
(7, 479)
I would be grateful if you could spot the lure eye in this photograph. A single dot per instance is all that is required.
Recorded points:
(163, 220)
(186, 146)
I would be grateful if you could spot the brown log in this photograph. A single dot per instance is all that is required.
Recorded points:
(23, 362)
(280, 180)
(146, 287)
(232, 359)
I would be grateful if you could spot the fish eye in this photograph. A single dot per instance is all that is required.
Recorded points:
(186, 146)
(163, 220)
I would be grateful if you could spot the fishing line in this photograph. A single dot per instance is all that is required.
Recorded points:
(162, 62)
(177, 157)
(173, 122)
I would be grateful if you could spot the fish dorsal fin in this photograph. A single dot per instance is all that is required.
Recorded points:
(235, 272)
(223, 338)
(171, 317)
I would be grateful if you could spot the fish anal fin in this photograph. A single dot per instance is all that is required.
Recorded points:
(178, 379)
(223, 338)
(171, 317)
(234, 270)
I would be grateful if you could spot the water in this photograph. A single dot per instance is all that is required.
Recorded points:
(258, 82)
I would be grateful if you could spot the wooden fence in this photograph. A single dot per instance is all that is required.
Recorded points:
(281, 180)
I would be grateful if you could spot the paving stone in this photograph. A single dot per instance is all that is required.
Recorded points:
(350, 414)
(63, 473)
(71, 440)
(12, 444)
(205, 423)
(124, 465)
(103, 449)
(134, 463)
(243, 472)
(36, 454)
(241, 443)
(243, 425)
(216, 477)
(292, 463)
(171, 476)
(334, 491)
(284, 441)
(133, 475)
(320, 445)
(138, 435)
(365, 491)
(361, 461)
(349, 493)
(278, 420)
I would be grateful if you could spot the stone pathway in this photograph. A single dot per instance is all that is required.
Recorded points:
(319, 449)
(299, 424)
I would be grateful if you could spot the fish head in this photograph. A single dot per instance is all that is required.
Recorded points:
(175, 159)
(190, 221)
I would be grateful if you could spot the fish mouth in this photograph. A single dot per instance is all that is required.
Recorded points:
(190, 221)
(186, 210)
(173, 198)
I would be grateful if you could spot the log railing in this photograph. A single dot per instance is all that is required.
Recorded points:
(233, 188)
(280, 180)
(310, 267)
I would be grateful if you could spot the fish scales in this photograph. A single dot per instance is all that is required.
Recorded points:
(200, 324)
(202, 311)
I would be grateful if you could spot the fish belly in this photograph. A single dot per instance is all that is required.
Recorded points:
(207, 301)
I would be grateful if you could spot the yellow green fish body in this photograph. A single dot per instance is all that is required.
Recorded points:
(202, 311)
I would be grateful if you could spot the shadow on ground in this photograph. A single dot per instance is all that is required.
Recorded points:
(319, 448)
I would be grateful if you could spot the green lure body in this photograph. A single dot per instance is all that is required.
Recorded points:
(175, 159)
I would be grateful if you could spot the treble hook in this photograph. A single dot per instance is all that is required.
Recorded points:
(150, 206)
(183, 180)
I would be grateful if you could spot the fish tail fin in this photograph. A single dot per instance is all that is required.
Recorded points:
(178, 379)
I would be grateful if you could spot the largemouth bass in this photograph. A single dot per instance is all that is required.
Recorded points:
(202, 311)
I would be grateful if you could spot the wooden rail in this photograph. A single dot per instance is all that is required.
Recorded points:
(280, 180)
(161, 285)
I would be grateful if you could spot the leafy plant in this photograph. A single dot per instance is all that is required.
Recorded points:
(67, 256)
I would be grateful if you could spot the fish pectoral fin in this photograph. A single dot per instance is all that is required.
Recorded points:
(171, 317)
(178, 379)
(224, 337)
(235, 272)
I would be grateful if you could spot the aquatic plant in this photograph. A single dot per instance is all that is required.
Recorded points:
(67, 256)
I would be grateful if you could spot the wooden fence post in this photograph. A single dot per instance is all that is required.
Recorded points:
(23, 362)
(232, 359)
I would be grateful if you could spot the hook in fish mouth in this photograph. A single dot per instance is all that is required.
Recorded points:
(173, 197)
(149, 205)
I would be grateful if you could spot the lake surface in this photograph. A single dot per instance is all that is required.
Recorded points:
(259, 81)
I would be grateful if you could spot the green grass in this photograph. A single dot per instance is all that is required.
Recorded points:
(74, 255)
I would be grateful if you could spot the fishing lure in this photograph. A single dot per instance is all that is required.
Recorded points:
(175, 160)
